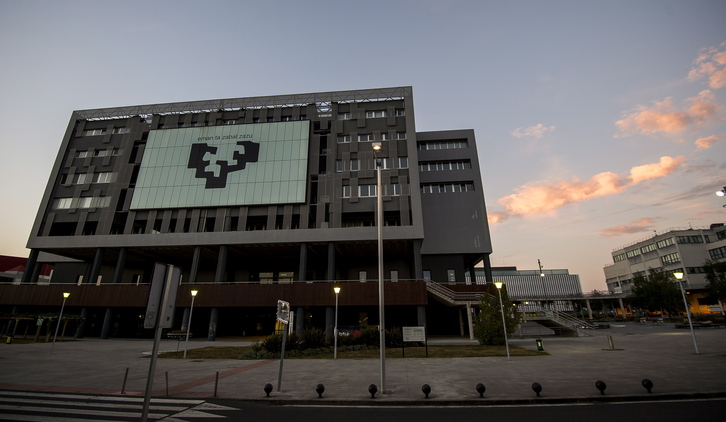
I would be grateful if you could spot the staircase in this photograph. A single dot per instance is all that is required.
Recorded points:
(562, 324)
(451, 297)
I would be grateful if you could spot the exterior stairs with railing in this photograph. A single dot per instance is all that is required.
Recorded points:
(562, 324)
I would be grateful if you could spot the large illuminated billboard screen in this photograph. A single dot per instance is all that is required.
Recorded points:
(254, 164)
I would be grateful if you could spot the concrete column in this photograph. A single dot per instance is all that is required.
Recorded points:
(185, 320)
(417, 265)
(589, 308)
(622, 307)
(195, 264)
(329, 321)
(330, 274)
(472, 275)
(488, 270)
(221, 264)
(30, 267)
(212, 334)
(303, 267)
(82, 325)
(299, 320)
(421, 315)
(471, 321)
(120, 264)
(461, 323)
(107, 320)
(95, 267)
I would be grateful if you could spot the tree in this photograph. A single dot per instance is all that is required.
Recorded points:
(716, 277)
(657, 291)
(488, 329)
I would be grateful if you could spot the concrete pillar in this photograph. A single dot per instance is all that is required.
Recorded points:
(461, 323)
(299, 320)
(120, 264)
(185, 319)
(417, 265)
(95, 267)
(471, 321)
(212, 334)
(107, 320)
(221, 264)
(30, 268)
(488, 270)
(589, 308)
(82, 324)
(303, 267)
(622, 307)
(330, 273)
(329, 321)
(195, 264)
(421, 315)
(472, 275)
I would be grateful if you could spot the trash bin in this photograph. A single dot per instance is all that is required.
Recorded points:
(539, 345)
(9, 340)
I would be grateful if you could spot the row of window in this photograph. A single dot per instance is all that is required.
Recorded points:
(344, 139)
(671, 258)
(354, 165)
(84, 202)
(367, 191)
(689, 239)
(97, 132)
(373, 114)
(718, 253)
(83, 178)
(445, 165)
(99, 153)
(435, 145)
(447, 187)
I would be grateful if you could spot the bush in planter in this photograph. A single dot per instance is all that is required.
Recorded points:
(313, 338)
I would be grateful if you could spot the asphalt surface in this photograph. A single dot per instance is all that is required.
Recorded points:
(664, 354)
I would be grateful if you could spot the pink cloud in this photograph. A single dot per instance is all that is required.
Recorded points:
(535, 131)
(711, 64)
(638, 226)
(545, 196)
(663, 116)
(706, 143)
(497, 217)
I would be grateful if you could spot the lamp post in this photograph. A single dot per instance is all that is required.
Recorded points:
(335, 329)
(504, 324)
(544, 286)
(679, 277)
(377, 146)
(189, 324)
(65, 296)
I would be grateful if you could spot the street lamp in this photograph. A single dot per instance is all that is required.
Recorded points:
(504, 324)
(335, 329)
(65, 296)
(377, 146)
(189, 324)
(679, 276)
(544, 286)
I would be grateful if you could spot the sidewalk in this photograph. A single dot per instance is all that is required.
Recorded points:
(663, 354)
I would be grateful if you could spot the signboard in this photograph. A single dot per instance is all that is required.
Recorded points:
(283, 311)
(414, 334)
(162, 296)
(253, 164)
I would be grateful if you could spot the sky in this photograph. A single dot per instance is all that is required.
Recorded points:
(597, 123)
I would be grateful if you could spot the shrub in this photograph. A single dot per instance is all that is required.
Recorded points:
(394, 337)
(313, 338)
(370, 336)
(273, 343)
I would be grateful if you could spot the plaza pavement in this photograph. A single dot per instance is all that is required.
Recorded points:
(663, 354)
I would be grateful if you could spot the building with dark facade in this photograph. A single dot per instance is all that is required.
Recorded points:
(260, 199)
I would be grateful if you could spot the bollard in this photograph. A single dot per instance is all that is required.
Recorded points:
(372, 389)
(320, 389)
(648, 384)
(216, 382)
(268, 389)
(611, 343)
(166, 374)
(480, 389)
(9, 340)
(426, 389)
(540, 348)
(537, 388)
(600, 385)
(126, 376)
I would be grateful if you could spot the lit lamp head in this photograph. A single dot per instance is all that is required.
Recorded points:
(678, 275)
(194, 292)
(377, 146)
(498, 284)
(65, 295)
(722, 192)
(541, 274)
(336, 290)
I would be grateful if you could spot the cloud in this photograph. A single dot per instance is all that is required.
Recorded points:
(711, 64)
(663, 116)
(706, 143)
(536, 131)
(497, 217)
(638, 226)
(545, 196)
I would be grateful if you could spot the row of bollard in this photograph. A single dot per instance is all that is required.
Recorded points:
(480, 388)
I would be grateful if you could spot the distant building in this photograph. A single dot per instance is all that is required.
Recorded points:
(259, 199)
(674, 250)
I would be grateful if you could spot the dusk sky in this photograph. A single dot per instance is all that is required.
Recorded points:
(597, 123)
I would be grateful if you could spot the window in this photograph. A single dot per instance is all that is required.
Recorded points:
(394, 190)
(721, 235)
(400, 135)
(671, 258)
(400, 112)
(380, 113)
(343, 116)
(447, 187)
(385, 136)
(303, 117)
(120, 130)
(81, 154)
(94, 132)
(100, 153)
(648, 248)
(634, 252)
(718, 253)
(254, 120)
(664, 243)
(116, 151)
(346, 191)
(354, 165)
(105, 177)
(689, 239)
(343, 139)
(366, 191)
(434, 145)
(84, 202)
(339, 166)
(403, 162)
(619, 257)
(365, 138)
(270, 119)
(80, 178)
(286, 119)
(230, 122)
(63, 203)
(444, 165)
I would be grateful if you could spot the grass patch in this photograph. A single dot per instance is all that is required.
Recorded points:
(438, 351)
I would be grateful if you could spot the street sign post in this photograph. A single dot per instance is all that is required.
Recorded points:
(283, 315)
